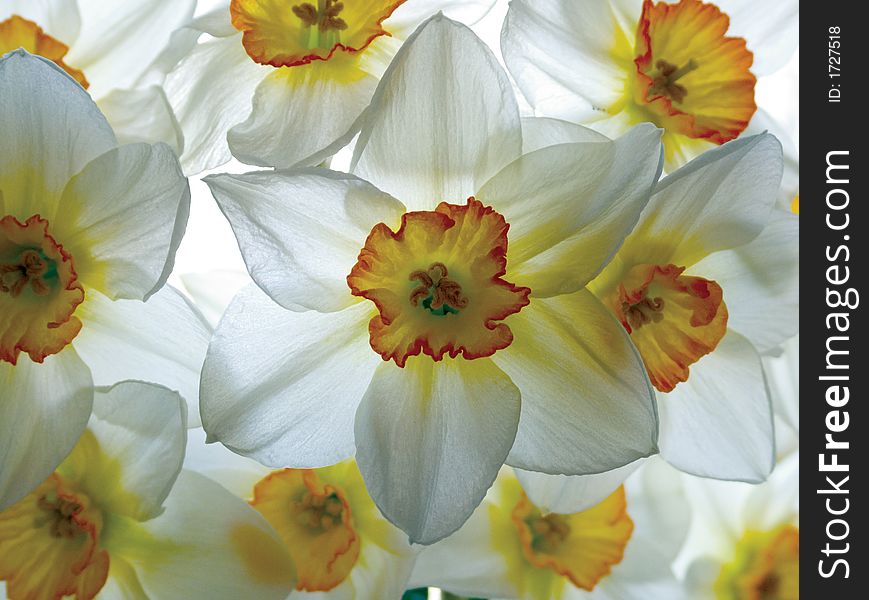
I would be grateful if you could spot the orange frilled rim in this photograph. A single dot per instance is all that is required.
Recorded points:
(719, 102)
(315, 521)
(673, 319)
(36, 314)
(272, 30)
(18, 32)
(465, 248)
(582, 546)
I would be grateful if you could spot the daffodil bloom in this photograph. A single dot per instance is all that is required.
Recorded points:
(689, 66)
(620, 548)
(341, 545)
(120, 518)
(706, 281)
(110, 49)
(744, 540)
(88, 230)
(283, 83)
(412, 322)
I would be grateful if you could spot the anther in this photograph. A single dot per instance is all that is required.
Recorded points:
(434, 285)
(668, 75)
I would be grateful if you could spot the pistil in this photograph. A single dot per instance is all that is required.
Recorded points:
(668, 74)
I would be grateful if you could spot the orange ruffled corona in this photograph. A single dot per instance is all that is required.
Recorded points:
(18, 32)
(315, 521)
(690, 78)
(582, 546)
(288, 33)
(39, 291)
(767, 566)
(50, 545)
(673, 319)
(438, 285)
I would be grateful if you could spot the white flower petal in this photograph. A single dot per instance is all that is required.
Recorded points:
(142, 115)
(302, 115)
(443, 120)
(587, 405)
(44, 408)
(51, 129)
(141, 428)
(573, 493)
(467, 562)
(379, 573)
(217, 547)
(59, 18)
(162, 341)
(119, 40)
(662, 516)
(719, 422)
(778, 500)
(430, 440)
(122, 219)
(409, 15)
(719, 200)
(563, 55)
(783, 374)
(771, 30)
(570, 206)
(300, 232)
(761, 282)
(282, 387)
(210, 91)
(542, 132)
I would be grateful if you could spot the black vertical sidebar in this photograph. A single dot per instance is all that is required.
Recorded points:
(834, 362)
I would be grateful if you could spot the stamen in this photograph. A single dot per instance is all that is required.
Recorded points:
(668, 74)
(436, 291)
(319, 511)
(325, 17)
(549, 532)
(60, 516)
(30, 268)
(647, 310)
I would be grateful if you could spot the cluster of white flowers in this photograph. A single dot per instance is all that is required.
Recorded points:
(538, 339)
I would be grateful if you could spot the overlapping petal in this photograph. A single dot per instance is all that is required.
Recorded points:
(711, 428)
(283, 386)
(409, 146)
(45, 142)
(162, 341)
(301, 231)
(416, 431)
(44, 408)
(587, 406)
(123, 218)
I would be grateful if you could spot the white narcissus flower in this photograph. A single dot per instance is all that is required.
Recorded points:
(690, 67)
(744, 540)
(620, 548)
(341, 545)
(398, 325)
(121, 519)
(706, 281)
(282, 83)
(88, 230)
(109, 48)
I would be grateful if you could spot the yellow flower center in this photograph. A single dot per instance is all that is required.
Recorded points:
(18, 32)
(583, 546)
(39, 291)
(287, 33)
(766, 567)
(437, 283)
(689, 78)
(50, 544)
(315, 521)
(673, 319)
